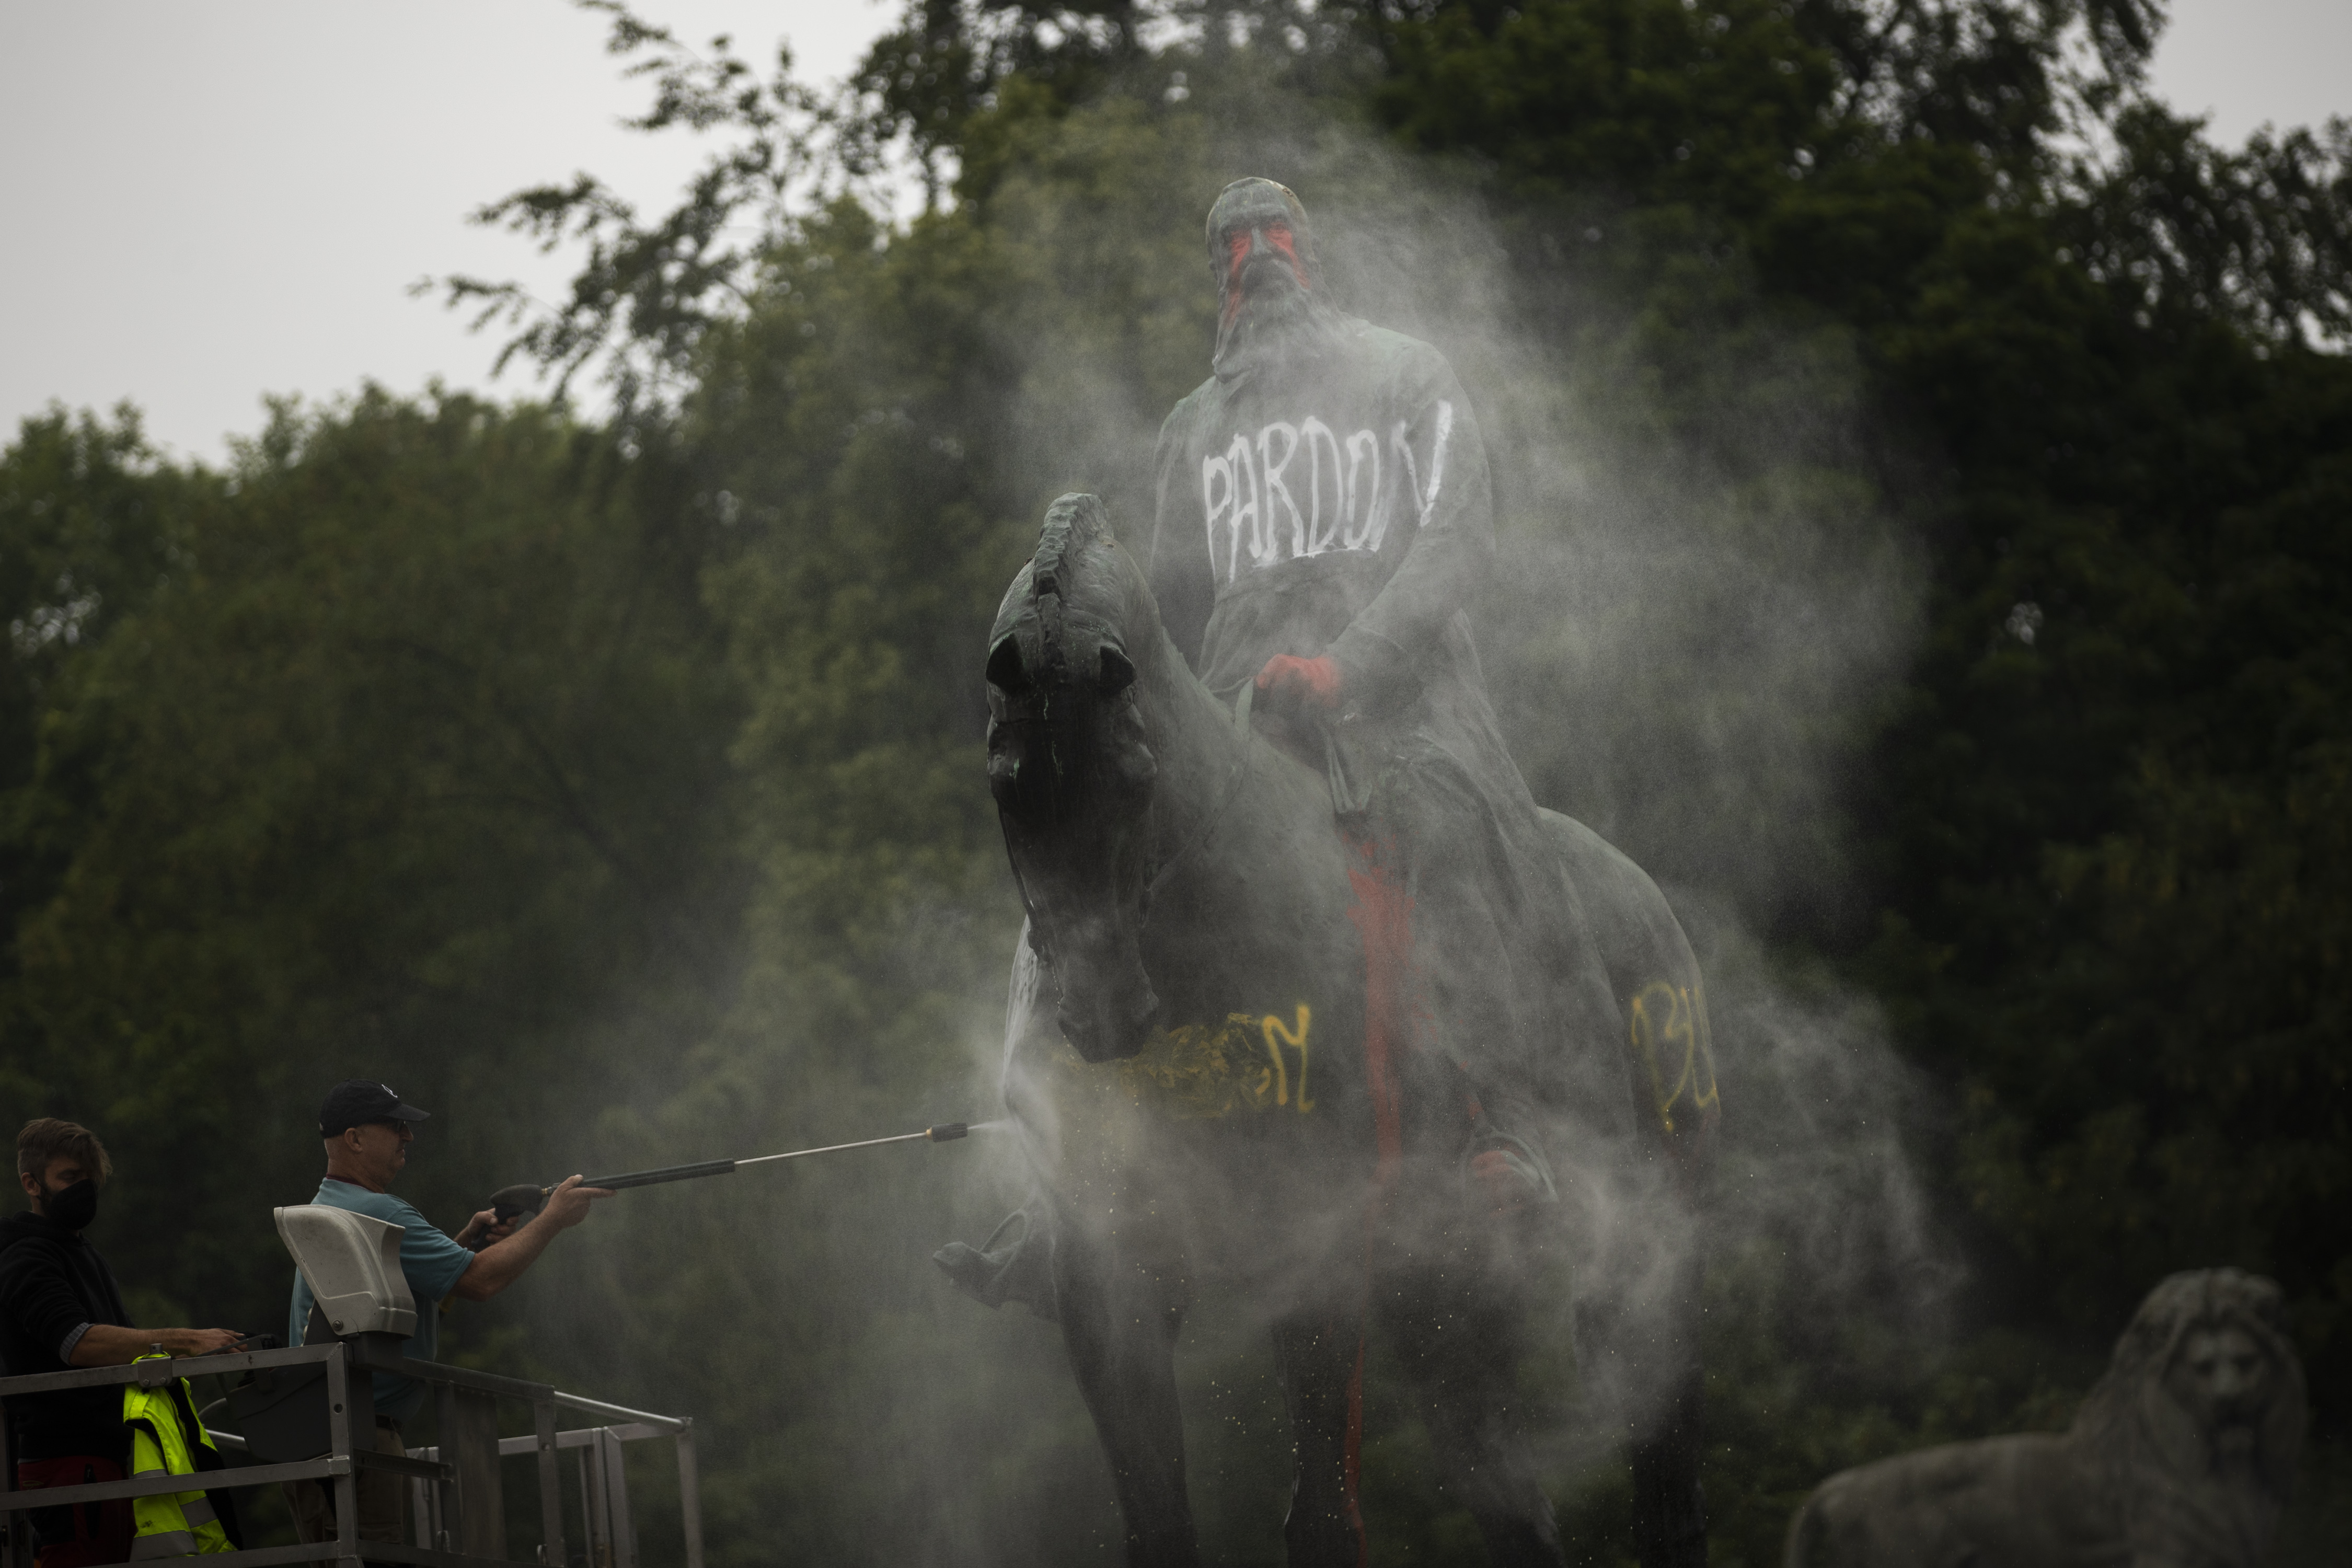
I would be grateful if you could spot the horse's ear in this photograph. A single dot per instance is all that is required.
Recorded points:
(1005, 671)
(1115, 674)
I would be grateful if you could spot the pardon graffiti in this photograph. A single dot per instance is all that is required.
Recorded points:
(1251, 496)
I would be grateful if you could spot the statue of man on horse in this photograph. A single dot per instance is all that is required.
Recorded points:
(1311, 995)
(1324, 525)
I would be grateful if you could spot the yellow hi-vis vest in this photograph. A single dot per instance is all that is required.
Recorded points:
(171, 1524)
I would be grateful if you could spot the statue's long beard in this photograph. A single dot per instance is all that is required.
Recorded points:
(1279, 319)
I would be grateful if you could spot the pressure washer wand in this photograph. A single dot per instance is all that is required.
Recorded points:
(948, 1133)
(525, 1197)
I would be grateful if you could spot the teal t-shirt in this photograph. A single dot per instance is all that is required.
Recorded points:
(431, 1261)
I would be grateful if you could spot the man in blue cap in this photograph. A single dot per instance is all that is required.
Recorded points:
(367, 1129)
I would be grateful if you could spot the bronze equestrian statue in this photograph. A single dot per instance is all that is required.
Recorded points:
(1311, 994)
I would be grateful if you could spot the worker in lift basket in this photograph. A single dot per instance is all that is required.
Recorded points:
(367, 1130)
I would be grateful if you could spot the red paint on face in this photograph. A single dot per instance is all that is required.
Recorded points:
(1240, 244)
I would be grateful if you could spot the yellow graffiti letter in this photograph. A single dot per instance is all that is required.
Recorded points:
(1275, 1034)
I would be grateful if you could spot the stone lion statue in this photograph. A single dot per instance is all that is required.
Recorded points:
(2181, 1457)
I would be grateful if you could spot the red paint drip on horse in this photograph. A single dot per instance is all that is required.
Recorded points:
(1382, 914)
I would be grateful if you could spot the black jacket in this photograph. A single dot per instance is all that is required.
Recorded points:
(52, 1280)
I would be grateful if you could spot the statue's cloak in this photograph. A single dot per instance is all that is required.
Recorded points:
(1333, 499)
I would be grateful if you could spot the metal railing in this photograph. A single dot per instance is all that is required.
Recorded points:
(605, 1515)
(458, 1502)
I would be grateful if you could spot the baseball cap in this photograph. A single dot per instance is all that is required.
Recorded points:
(356, 1101)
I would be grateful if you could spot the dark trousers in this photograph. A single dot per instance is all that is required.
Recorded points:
(78, 1535)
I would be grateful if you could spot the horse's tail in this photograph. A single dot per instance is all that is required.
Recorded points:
(1805, 1530)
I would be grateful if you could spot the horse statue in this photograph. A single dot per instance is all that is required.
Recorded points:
(1210, 1062)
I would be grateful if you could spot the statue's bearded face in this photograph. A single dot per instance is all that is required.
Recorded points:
(1268, 280)
(1261, 258)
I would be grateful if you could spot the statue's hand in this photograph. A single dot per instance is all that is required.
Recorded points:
(1289, 682)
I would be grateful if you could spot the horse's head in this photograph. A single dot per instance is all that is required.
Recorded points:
(1070, 765)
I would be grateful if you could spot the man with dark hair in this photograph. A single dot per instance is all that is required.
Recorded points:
(367, 1129)
(1324, 526)
(59, 1308)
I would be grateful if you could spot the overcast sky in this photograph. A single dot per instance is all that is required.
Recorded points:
(203, 201)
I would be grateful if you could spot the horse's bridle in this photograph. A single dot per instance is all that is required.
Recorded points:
(1162, 872)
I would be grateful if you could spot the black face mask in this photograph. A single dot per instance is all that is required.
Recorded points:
(75, 1206)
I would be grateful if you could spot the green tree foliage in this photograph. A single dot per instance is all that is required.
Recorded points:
(2105, 865)
(411, 763)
